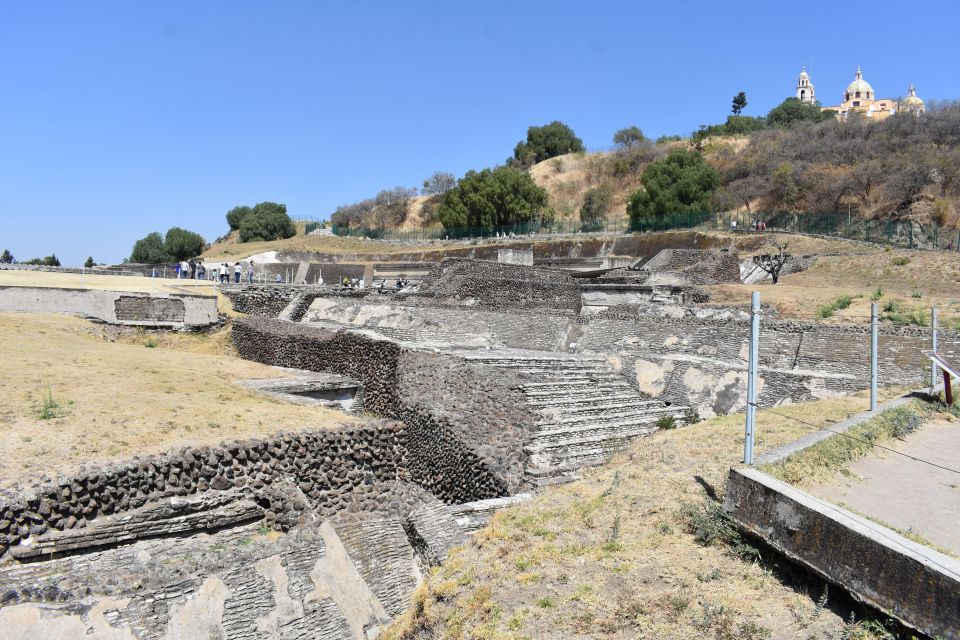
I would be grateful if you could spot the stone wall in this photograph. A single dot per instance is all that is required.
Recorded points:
(447, 455)
(261, 299)
(698, 266)
(413, 318)
(140, 309)
(327, 466)
(811, 346)
(500, 286)
(515, 256)
(115, 307)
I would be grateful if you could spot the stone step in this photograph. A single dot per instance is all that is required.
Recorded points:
(572, 441)
(582, 399)
(610, 427)
(645, 414)
(553, 391)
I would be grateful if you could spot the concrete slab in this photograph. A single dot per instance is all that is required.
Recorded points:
(907, 494)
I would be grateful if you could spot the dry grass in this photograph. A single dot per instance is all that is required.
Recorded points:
(234, 249)
(610, 555)
(112, 283)
(119, 398)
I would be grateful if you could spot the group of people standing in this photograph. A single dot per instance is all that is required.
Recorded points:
(197, 270)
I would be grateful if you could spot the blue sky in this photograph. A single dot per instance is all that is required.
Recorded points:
(121, 118)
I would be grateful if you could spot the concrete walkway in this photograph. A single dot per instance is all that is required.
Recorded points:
(910, 495)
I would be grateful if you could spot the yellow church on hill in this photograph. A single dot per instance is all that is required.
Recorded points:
(859, 97)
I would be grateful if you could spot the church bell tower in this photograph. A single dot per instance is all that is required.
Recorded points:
(805, 88)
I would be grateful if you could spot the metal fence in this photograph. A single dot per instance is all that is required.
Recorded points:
(907, 234)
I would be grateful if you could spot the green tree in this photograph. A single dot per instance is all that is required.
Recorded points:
(596, 203)
(267, 221)
(791, 111)
(181, 244)
(629, 137)
(236, 215)
(739, 103)
(149, 250)
(89, 264)
(50, 261)
(680, 183)
(493, 198)
(7, 257)
(543, 143)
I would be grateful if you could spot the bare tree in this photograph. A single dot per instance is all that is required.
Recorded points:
(439, 183)
(773, 263)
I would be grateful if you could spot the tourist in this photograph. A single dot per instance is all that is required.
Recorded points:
(201, 271)
(250, 272)
(278, 279)
(224, 273)
(237, 270)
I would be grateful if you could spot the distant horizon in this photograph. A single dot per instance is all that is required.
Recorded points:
(124, 119)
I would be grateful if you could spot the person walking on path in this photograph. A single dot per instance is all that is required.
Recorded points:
(250, 272)
(237, 270)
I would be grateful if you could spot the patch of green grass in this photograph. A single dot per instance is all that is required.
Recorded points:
(828, 309)
(900, 261)
(916, 294)
(877, 294)
(831, 456)
(150, 343)
(900, 314)
(545, 603)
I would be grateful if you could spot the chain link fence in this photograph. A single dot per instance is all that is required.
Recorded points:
(907, 234)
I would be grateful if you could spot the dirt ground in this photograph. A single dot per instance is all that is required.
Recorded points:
(613, 555)
(912, 496)
(111, 394)
(112, 283)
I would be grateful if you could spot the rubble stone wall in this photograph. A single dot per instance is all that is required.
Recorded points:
(327, 466)
(446, 456)
(145, 309)
(502, 285)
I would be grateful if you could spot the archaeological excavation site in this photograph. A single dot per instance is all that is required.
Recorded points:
(455, 386)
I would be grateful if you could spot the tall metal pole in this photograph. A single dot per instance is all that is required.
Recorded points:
(874, 327)
(752, 377)
(933, 367)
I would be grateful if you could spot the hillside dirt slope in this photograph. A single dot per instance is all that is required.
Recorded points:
(615, 556)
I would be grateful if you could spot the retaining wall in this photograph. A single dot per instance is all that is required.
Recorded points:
(450, 459)
(115, 307)
(909, 581)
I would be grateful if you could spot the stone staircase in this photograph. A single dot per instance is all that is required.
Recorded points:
(586, 411)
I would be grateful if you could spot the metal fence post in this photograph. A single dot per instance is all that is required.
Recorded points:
(933, 341)
(752, 378)
(874, 327)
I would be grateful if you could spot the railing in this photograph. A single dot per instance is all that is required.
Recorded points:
(911, 235)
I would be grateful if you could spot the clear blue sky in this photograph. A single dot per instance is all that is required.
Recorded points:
(121, 118)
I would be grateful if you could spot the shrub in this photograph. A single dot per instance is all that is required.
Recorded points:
(493, 198)
(543, 143)
(680, 183)
(49, 407)
(877, 294)
(916, 294)
(149, 250)
(691, 415)
(900, 261)
(267, 221)
(827, 310)
(711, 525)
(181, 244)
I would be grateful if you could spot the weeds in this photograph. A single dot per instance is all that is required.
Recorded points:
(828, 309)
(832, 455)
(691, 415)
(711, 525)
(150, 343)
(49, 407)
(900, 261)
(666, 422)
(900, 314)
(877, 294)
(916, 294)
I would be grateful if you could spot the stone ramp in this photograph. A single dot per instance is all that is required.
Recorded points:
(381, 552)
(585, 410)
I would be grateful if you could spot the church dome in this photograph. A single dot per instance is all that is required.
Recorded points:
(859, 85)
(912, 102)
